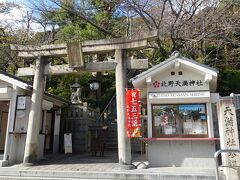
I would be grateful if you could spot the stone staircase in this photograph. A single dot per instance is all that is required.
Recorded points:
(111, 142)
(108, 118)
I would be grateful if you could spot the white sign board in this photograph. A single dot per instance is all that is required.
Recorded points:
(179, 95)
(228, 135)
(68, 143)
(21, 102)
(181, 80)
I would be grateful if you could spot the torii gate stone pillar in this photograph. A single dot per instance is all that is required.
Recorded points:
(31, 147)
(124, 144)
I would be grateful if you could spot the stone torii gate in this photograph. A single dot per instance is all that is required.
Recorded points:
(120, 64)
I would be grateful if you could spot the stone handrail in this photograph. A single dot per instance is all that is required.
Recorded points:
(79, 111)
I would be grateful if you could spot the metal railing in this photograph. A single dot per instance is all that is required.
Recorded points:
(104, 115)
(216, 154)
(111, 104)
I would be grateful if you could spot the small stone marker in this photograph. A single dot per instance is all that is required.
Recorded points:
(228, 137)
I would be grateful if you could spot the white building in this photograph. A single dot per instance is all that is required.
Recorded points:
(179, 94)
(15, 99)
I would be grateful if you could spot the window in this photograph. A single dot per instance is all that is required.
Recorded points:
(179, 120)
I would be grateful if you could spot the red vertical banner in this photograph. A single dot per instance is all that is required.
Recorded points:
(133, 123)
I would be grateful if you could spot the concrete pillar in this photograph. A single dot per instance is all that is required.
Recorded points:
(210, 120)
(35, 116)
(124, 145)
(11, 116)
(56, 131)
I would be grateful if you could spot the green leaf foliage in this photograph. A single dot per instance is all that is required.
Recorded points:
(228, 82)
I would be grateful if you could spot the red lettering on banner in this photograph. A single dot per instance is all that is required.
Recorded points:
(133, 123)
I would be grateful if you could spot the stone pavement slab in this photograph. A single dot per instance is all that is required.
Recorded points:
(84, 166)
(161, 174)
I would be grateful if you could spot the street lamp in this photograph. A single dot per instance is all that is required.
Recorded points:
(94, 85)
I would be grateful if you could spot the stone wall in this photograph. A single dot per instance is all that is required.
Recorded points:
(238, 120)
(76, 119)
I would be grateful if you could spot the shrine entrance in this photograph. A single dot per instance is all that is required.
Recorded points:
(75, 51)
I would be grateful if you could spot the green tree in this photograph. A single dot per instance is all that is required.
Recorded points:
(72, 25)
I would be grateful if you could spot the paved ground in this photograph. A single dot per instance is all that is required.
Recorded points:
(84, 166)
(81, 162)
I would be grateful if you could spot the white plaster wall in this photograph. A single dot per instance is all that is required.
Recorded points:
(149, 120)
(210, 120)
(10, 123)
(5, 93)
(17, 142)
(41, 146)
(181, 154)
(56, 133)
(4, 84)
(57, 124)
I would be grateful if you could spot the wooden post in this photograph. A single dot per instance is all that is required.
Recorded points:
(35, 116)
(124, 145)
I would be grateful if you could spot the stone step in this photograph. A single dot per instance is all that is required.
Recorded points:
(111, 149)
(112, 132)
(111, 143)
(117, 174)
(110, 146)
(112, 138)
(59, 178)
(37, 178)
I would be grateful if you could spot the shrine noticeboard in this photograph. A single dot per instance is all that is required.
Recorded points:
(133, 123)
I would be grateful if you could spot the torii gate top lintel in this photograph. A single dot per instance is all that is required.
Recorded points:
(88, 47)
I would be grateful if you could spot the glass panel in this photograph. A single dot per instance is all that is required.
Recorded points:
(179, 119)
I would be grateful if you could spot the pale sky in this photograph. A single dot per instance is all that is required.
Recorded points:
(16, 19)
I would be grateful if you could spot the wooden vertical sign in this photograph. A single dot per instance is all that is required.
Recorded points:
(228, 136)
(75, 55)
